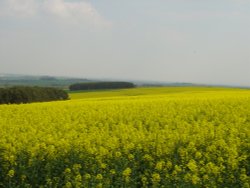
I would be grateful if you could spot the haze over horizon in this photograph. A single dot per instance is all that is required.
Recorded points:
(161, 40)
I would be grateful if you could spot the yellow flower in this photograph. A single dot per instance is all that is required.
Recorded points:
(246, 185)
(131, 156)
(156, 178)
(68, 185)
(103, 165)
(99, 185)
(147, 157)
(127, 172)
(198, 155)
(192, 166)
(144, 180)
(87, 176)
(205, 177)
(23, 177)
(112, 171)
(118, 154)
(177, 168)
(76, 167)
(195, 179)
(169, 165)
(78, 178)
(48, 181)
(99, 177)
(67, 171)
(11, 173)
(159, 165)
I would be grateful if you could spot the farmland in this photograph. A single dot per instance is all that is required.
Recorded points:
(143, 137)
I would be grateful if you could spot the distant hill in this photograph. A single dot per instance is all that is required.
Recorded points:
(8, 80)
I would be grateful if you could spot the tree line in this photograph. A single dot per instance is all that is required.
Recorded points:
(24, 94)
(101, 85)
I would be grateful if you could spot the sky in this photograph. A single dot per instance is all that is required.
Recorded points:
(198, 41)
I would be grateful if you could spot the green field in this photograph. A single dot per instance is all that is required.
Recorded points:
(142, 137)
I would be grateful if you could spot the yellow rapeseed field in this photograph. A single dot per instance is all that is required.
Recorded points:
(148, 137)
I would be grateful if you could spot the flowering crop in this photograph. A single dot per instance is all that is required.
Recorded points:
(198, 139)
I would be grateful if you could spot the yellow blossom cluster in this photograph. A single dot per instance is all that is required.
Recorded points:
(186, 140)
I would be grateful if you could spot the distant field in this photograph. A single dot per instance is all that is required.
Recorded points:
(153, 91)
(143, 137)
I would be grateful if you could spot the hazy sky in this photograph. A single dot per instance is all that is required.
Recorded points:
(201, 41)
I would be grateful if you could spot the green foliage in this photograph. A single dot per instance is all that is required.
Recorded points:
(100, 85)
(17, 95)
